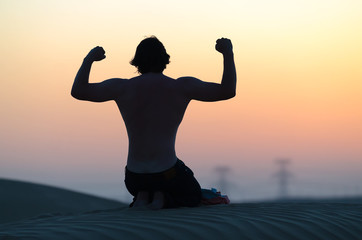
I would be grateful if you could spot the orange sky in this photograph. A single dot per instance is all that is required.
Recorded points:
(299, 87)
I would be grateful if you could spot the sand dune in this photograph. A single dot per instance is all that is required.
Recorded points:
(20, 200)
(239, 221)
(288, 220)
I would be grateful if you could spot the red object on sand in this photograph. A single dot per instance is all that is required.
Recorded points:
(213, 197)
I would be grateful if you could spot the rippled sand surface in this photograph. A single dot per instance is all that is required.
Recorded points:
(236, 221)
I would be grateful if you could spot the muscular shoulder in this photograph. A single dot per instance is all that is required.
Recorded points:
(116, 81)
(115, 84)
(186, 83)
(187, 79)
(113, 87)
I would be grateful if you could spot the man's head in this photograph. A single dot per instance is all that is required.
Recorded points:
(151, 56)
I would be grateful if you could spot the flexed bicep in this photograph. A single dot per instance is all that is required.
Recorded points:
(95, 92)
(194, 88)
(104, 91)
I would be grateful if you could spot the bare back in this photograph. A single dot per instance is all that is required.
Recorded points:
(152, 107)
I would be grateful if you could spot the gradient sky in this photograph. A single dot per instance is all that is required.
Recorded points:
(299, 67)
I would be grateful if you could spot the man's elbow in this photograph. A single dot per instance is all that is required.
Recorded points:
(229, 94)
(76, 94)
(232, 93)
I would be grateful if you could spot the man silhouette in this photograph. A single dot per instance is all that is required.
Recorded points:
(152, 106)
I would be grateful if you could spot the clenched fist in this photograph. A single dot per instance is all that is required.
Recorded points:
(96, 54)
(224, 46)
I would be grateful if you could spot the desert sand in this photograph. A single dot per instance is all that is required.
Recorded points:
(88, 217)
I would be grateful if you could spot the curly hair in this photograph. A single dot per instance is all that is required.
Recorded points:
(151, 56)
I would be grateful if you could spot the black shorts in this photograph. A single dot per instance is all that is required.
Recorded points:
(178, 183)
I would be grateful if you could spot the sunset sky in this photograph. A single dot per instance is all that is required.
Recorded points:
(299, 68)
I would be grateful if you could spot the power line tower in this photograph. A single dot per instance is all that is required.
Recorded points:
(223, 183)
(283, 175)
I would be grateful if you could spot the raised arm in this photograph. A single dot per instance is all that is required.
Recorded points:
(228, 82)
(207, 91)
(95, 92)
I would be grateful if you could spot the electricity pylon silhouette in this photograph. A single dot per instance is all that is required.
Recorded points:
(283, 175)
(223, 183)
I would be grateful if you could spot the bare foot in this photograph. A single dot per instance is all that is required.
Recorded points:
(141, 199)
(158, 201)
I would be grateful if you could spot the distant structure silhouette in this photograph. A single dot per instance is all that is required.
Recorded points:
(223, 183)
(283, 176)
